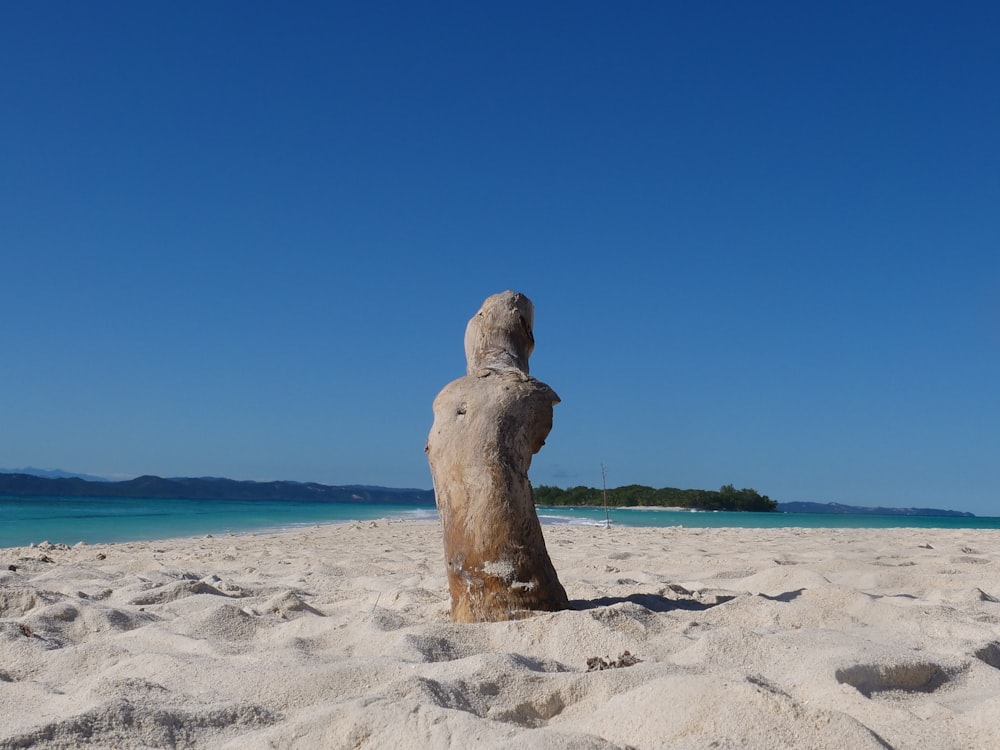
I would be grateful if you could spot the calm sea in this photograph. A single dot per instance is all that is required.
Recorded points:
(69, 520)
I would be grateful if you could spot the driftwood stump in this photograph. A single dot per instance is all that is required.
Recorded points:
(487, 426)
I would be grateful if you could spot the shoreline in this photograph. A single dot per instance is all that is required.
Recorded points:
(313, 637)
(834, 520)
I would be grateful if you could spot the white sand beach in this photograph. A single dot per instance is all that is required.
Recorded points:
(339, 637)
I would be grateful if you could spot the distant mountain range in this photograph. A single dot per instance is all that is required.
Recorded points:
(802, 507)
(205, 488)
(54, 474)
(31, 482)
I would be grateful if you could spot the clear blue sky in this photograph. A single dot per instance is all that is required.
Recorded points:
(763, 239)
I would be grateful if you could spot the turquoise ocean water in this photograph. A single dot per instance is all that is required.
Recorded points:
(69, 520)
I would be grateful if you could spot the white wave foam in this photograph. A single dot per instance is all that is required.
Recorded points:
(570, 520)
(422, 514)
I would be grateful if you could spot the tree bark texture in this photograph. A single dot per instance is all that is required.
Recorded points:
(487, 426)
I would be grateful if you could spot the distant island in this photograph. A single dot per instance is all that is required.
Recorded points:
(63, 484)
(726, 497)
(207, 488)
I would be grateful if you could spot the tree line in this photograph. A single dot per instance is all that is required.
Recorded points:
(726, 497)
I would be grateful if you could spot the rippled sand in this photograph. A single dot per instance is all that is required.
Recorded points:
(338, 637)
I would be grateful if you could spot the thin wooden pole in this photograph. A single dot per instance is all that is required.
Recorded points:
(604, 480)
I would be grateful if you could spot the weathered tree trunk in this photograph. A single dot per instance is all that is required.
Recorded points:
(487, 426)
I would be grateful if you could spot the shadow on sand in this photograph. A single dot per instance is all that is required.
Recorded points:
(652, 602)
(657, 603)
